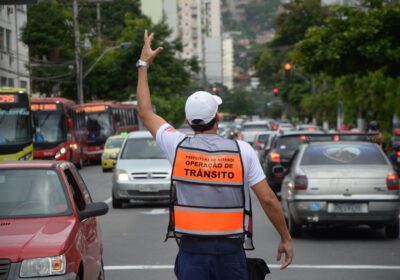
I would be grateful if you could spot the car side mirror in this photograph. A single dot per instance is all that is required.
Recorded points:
(93, 209)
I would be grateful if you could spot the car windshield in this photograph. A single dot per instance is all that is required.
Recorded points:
(31, 193)
(342, 154)
(114, 143)
(262, 138)
(288, 143)
(141, 148)
(50, 127)
(99, 125)
(15, 126)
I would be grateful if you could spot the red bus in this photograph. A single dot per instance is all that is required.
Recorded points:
(106, 118)
(60, 130)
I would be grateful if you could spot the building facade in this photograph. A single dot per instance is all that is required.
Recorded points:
(227, 60)
(198, 24)
(14, 55)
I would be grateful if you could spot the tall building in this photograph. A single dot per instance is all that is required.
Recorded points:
(14, 55)
(198, 24)
(153, 9)
(227, 60)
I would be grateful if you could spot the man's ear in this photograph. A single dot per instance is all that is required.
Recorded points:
(218, 117)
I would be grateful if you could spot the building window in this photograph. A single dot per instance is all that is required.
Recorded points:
(24, 84)
(3, 81)
(10, 82)
(2, 44)
(8, 40)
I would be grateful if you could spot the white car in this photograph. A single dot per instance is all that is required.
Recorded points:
(142, 171)
(252, 128)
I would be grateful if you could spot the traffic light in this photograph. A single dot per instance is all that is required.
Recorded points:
(268, 103)
(288, 70)
(276, 91)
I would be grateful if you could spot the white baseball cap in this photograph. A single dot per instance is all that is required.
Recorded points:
(203, 106)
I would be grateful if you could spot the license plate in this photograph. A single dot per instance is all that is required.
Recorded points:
(146, 188)
(348, 208)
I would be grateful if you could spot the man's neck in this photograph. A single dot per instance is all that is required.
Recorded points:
(210, 131)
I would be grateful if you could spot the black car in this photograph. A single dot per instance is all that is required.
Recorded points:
(283, 148)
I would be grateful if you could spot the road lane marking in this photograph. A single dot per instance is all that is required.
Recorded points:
(108, 200)
(293, 266)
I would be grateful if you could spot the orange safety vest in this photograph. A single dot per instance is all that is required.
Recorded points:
(207, 179)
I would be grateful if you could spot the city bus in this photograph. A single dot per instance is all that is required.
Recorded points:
(106, 118)
(16, 125)
(60, 130)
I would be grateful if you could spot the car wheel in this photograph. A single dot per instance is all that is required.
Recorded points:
(116, 203)
(295, 229)
(392, 230)
(101, 273)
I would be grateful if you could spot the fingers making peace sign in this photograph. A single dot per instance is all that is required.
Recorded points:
(148, 54)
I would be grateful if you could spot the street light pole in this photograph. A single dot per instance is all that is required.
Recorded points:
(78, 57)
(123, 45)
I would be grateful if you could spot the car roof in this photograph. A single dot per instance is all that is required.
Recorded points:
(299, 133)
(140, 134)
(255, 122)
(267, 132)
(30, 164)
(116, 136)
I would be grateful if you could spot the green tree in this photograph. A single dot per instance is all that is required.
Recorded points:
(291, 26)
(358, 49)
(50, 43)
(114, 76)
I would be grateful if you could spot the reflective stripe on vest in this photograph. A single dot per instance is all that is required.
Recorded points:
(208, 221)
(213, 168)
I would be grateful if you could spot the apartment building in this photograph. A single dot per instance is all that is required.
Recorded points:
(14, 55)
(198, 24)
(227, 60)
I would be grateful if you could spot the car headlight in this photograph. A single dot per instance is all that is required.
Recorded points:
(106, 156)
(122, 175)
(43, 267)
(73, 146)
(61, 152)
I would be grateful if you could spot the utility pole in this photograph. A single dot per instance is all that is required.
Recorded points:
(98, 20)
(98, 14)
(78, 57)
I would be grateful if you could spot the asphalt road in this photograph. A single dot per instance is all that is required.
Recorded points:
(134, 246)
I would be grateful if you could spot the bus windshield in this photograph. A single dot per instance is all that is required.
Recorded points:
(15, 126)
(99, 125)
(50, 127)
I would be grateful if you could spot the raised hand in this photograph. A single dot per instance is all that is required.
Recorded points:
(149, 54)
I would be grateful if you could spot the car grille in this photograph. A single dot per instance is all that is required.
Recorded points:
(149, 175)
(4, 268)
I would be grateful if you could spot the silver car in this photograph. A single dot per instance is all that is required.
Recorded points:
(252, 128)
(341, 183)
(142, 171)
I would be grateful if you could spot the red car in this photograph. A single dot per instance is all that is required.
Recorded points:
(48, 225)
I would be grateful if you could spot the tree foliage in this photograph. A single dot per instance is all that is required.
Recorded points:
(292, 24)
(359, 50)
(114, 76)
